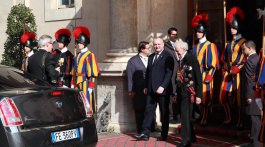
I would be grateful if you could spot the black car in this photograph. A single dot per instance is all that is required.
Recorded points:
(36, 114)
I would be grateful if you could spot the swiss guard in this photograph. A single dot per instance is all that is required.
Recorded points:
(65, 59)
(86, 68)
(28, 41)
(207, 56)
(233, 60)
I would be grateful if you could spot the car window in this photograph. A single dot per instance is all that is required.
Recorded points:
(13, 78)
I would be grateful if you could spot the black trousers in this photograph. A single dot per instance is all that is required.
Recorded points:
(175, 109)
(187, 130)
(139, 104)
(255, 129)
(139, 117)
(163, 102)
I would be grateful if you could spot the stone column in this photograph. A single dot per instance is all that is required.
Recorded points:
(113, 83)
(123, 18)
(123, 30)
(144, 19)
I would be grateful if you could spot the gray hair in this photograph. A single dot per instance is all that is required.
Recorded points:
(44, 39)
(183, 45)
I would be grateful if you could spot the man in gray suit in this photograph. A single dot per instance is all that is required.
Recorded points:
(136, 69)
(247, 88)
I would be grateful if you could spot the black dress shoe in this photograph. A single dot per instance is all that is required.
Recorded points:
(138, 135)
(145, 137)
(184, 145)
(142, 137)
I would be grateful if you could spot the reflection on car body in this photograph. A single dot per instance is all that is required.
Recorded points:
(35, 114)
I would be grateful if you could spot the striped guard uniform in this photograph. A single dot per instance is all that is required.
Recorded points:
(233, 60)
(86, 70)
(207, 56)
(24, 66)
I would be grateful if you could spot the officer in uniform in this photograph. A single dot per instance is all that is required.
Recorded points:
(28, 41)
(207, 56)
(65, 60)
(233, 60)
(189, 90)
(85, 68)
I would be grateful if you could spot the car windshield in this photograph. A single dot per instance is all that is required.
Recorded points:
(11, 78)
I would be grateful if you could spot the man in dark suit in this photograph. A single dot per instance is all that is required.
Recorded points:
(247, 88)
(172, 39)
(42, 63)
(170, 47)
(189, 90)
(135, 70)
(158, 89)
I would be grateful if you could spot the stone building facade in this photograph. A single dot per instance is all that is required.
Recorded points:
(116, 28)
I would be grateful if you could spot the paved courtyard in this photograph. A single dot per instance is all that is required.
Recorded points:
(128, 140)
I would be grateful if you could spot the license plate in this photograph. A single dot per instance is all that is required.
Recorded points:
(65, 135)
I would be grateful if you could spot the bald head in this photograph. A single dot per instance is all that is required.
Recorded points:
(158, 44)
(159, 40)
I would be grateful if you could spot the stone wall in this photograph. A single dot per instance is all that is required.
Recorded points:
(113, 89)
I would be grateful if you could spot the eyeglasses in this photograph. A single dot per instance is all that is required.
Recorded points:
(148, 48)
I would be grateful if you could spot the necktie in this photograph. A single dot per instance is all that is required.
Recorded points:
(173, 44)
(156, 56)
(180, 58)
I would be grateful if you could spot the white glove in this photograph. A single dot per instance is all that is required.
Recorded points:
(64, 86)
(58, 69)
(89, 90)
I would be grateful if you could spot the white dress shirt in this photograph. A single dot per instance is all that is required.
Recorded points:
(144, 60)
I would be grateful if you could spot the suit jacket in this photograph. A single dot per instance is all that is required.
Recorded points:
(170, 49)
(42, 66)
(190, 60)
(168, 45)
(136, 71)
(247, 75)
(159, 73)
